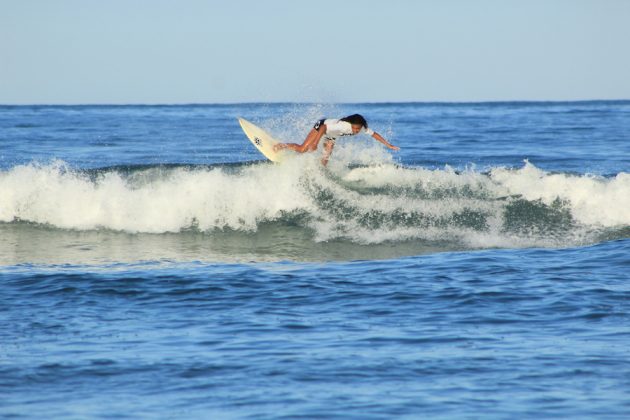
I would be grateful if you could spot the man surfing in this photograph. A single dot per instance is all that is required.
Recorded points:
(330, 129)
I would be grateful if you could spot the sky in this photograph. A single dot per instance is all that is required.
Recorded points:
(196, 51)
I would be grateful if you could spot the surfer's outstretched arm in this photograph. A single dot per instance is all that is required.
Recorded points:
(387, 144)
(310, 143)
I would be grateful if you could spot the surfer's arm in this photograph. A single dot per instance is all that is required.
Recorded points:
(380, 138)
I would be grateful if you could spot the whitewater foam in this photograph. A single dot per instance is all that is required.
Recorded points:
(382, 202)
(593, 200)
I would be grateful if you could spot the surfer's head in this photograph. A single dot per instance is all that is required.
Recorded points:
(357, 121)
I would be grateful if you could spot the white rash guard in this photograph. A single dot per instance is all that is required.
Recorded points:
(336, 128)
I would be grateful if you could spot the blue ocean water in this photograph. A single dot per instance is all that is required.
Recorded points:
(152, 265)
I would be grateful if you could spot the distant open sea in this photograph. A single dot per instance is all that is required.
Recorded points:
(153, 266)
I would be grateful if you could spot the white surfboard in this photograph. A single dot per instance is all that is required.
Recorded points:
(261, 140)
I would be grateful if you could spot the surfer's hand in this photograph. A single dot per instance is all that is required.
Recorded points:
(391, 146)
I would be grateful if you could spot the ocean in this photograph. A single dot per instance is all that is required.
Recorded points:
(153, 265)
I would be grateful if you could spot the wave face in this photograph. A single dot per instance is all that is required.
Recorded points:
(362, 204)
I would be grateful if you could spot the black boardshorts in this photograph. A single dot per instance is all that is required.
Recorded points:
(318, 124)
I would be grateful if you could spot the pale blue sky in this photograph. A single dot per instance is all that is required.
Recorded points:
(194, 51)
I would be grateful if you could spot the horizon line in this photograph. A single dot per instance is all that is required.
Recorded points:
(228, 103)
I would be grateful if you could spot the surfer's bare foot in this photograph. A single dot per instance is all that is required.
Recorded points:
(279, 146)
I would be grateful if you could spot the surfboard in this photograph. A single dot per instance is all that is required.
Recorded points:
(261, 140)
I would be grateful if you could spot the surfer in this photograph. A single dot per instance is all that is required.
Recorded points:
(330, 129)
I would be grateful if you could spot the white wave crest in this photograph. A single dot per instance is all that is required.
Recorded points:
(369, 204)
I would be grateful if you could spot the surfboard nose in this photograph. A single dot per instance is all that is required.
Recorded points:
(260, 139)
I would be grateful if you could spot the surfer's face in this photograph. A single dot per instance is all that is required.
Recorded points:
(356, 128)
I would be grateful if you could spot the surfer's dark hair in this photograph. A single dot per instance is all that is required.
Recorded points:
(355, 119)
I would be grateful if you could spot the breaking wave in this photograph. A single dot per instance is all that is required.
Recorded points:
(364, 203)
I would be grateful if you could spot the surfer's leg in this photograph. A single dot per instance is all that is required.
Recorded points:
(282, 146)
(311, 139)
(329, 145)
